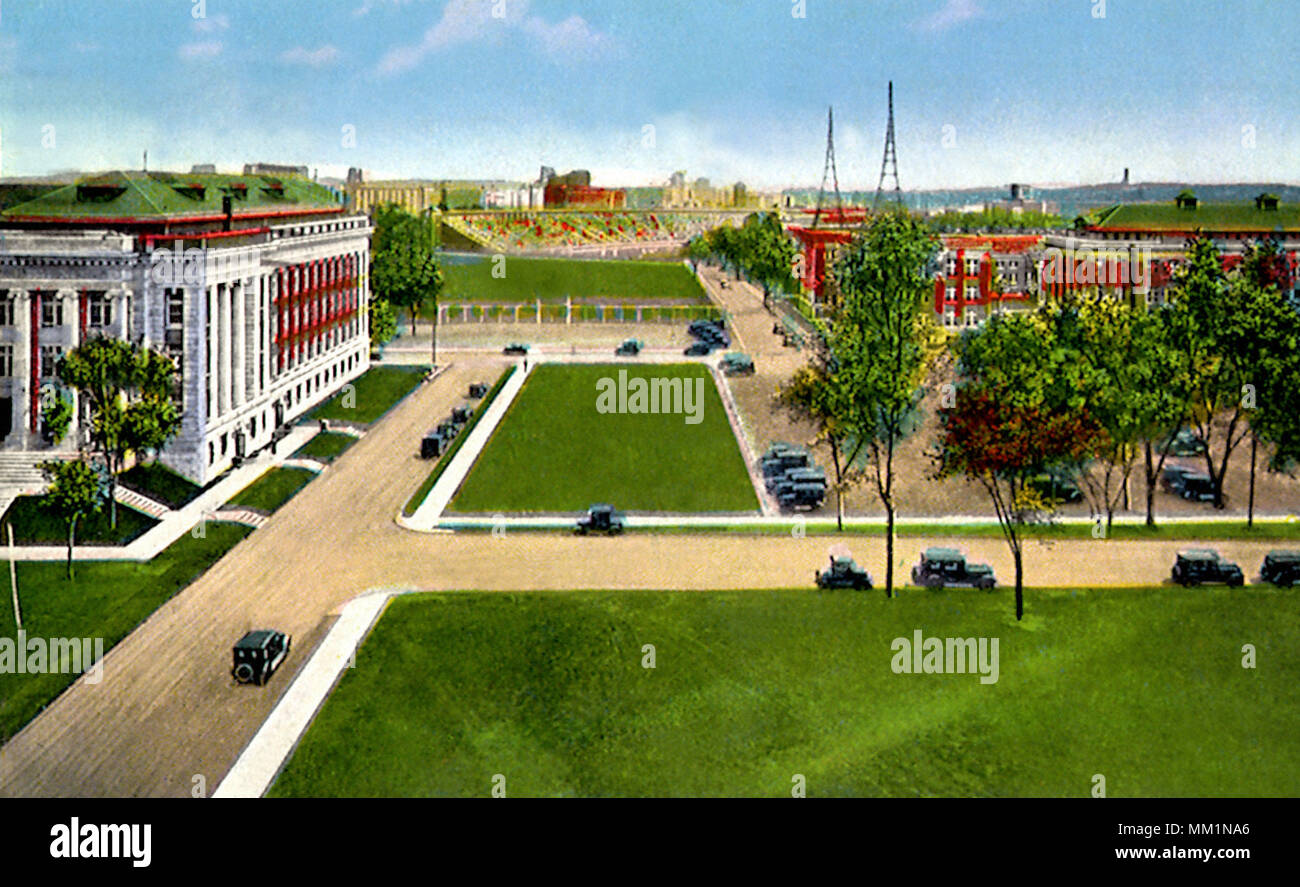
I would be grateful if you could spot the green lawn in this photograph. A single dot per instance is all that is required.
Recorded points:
(274, 488)
(418, 497)
(1144, 686)
(326, 446)
(107, 600)
(160, 483)
(554, 452)
(530, 279)
(371, 395)
(34, 525)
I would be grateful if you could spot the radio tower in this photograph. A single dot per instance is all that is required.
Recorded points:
(889, 165)
(829, 170)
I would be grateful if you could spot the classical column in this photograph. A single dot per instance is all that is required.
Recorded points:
(223, 348)
(239, 343)
(71, 301)
(213, 353)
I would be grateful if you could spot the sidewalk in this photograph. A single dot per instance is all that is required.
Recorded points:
(174, 524)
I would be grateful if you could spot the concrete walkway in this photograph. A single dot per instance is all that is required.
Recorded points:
(260, 761)
(430, 511)
(175, 523)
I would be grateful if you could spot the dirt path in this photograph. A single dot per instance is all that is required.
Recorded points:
(167, 712)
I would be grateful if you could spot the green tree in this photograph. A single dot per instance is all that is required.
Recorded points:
(383, 322)
(128, 391)
(697, 251)
(76, 490)
(404, 269)
(56, 417)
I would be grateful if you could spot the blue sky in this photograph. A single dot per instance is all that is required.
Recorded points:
(986, 91)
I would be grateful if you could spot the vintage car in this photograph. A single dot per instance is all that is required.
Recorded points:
(433, 444)
(844, 572)
(1184, 443)
(601, 519)
(460, 415)
(1198, 566)
(1196, 486)
(940, 567)
(1056, 486)
(516, 348)
(808, 475)
(698, 349)
(737, 364)
(478, 389)
(798, 496)
(1282, 568)
(629, 348)
(258, 654)
(778, 462)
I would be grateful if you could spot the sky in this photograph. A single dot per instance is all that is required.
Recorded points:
(986, 92)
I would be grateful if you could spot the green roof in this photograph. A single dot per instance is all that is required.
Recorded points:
(1209, 217)
(148, 196)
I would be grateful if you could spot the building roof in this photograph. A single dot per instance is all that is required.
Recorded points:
(135, 196)
(1208, 217)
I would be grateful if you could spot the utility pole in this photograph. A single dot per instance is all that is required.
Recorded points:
(889, 164)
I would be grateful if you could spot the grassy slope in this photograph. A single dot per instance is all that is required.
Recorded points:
(554, 452)
(528, 279)
(1144, 686)
(274, 488)
(34, 525)
(377, 390)
(108, 599)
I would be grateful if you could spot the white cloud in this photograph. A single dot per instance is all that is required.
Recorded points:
(212, 23)
(464, 21)
(953, 13)
(203, 50)
(313, 58)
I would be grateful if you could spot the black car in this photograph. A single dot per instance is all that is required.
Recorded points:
(799, 496)
(478, 389)
(802, 475)
(601, 519)
(1185, 443)
(779, 462)
(1282, 568)
(432, 445)
(844, 572)
(460, 415)
(1171, 479)
(630, 348)
(698, 349)
(258, 654)
(940, 567)
(516, 348)
(1056, 486)
(1195, 486)
(1197, 566)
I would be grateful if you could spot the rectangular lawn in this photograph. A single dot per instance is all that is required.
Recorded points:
(530, 279)
(1145, 686)
(372, 394)
(555, 452)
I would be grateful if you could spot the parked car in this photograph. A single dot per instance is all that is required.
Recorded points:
(778, 463)
(460, 415)
(1171, 479)
(630, 348)
(478, 389)
(1185, 443)
(1282, 568)
(844, 572)
(601, 519)
(799, 496)
(737, 364)
(698, 349)
(516, 348)
(258, 654)
(1195, 486)
(803, 475)
(701, 327)
(432, 445)
(941, 567)
(1196, 566)
(1056, 486)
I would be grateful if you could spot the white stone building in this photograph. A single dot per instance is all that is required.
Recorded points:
(256, 286)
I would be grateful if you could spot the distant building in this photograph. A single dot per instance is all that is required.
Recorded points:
(274, 169)
(574, 190)
(203, 169)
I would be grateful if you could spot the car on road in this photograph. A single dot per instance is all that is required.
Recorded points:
(1185, 443)
(478, 389)
(432, 445)
(698, 349)
(1282, 568)
(806, 475)
(1198, 566)
(258, 654)
(630, 348)
(699, 328)
(795, 497)
(1056, 486)
(460, 415)
(1195, 486)
(601, 519)
(516, 348)
(940, 567)
(844, 572)
(737, 364)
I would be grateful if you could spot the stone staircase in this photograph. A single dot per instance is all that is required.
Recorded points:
(155, 510)
(20, 472)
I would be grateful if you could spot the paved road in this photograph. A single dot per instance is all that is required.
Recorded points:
(167, 711)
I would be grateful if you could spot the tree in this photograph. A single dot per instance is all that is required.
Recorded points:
(697, 250)
(818, 393)
(404, 269)
(56, 417)
(877, 342)
(128, 391)
(767, 253)
(76, 490)
(1020, 410)
(383, 322)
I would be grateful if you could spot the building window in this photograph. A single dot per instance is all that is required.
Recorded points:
(51, 310)
(175, 308)
(972, 292)
(972, 266)
(50, 355)
(99, 309)
(7, 309)
(952, 267)
(6, 360)
(950, 294)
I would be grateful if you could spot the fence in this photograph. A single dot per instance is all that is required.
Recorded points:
(542, 312)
